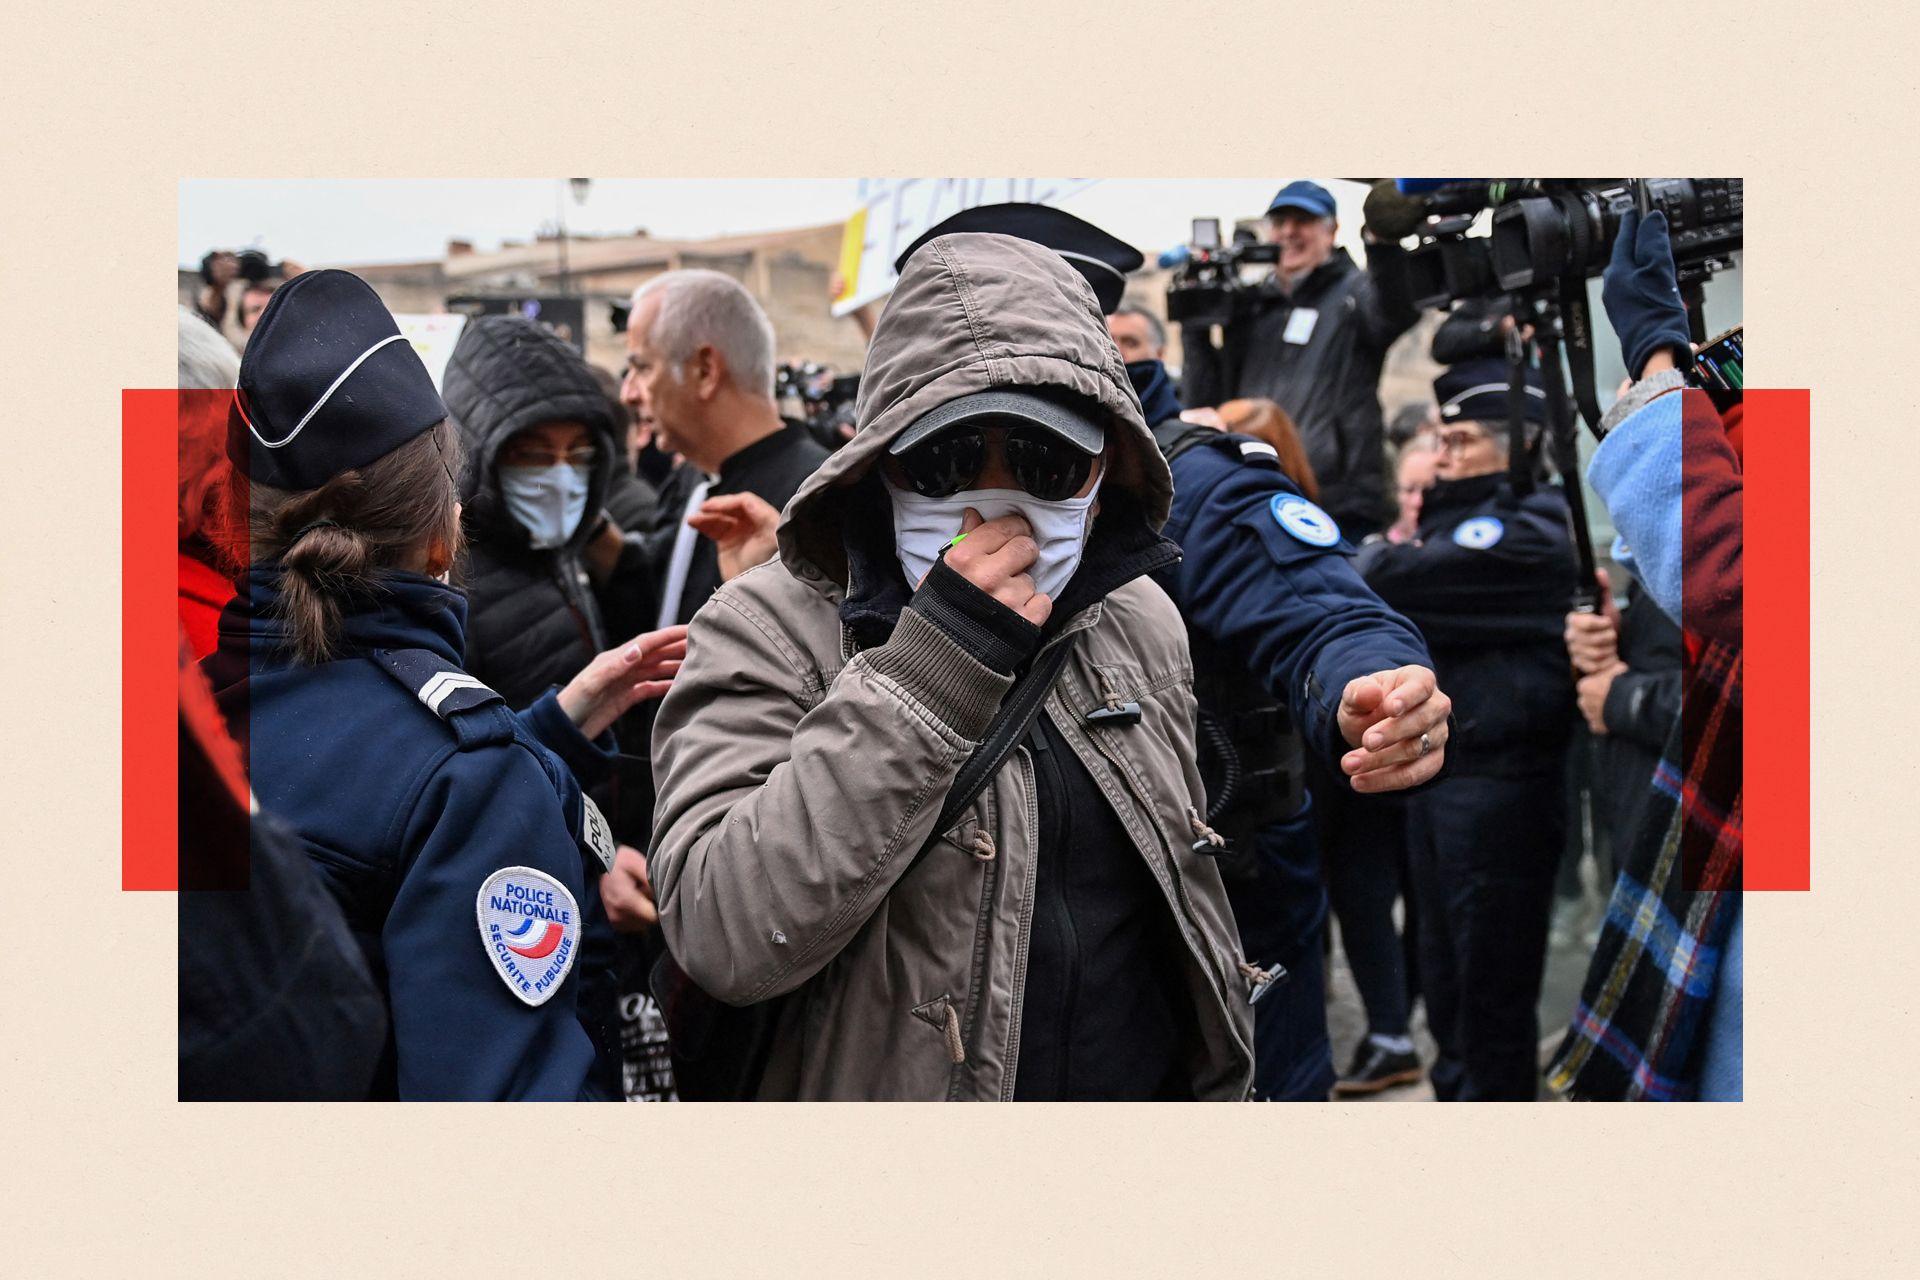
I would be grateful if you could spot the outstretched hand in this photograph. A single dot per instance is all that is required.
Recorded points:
(616, 680)
(744, 528)
(1383, 717)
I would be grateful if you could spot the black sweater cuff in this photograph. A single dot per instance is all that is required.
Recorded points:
(993, 634)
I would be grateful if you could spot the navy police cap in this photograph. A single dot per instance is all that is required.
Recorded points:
(327, 384)
(1476, 391)
(1102, 259)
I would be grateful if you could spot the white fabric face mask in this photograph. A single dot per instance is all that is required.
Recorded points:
(547, 501)
(922, 528)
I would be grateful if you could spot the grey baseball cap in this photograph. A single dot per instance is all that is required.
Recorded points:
(1076, 427)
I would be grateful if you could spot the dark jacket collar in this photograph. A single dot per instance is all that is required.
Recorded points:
(1447, 499)
(410, 611)
(760, 450)
(1155, 389)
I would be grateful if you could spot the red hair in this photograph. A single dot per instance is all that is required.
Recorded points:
(1266, 421)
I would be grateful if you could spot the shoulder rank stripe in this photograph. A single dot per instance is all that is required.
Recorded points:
(445, 684)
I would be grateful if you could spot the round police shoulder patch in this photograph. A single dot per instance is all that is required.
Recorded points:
(1303, 520)
(530, 927)
(1479, 533)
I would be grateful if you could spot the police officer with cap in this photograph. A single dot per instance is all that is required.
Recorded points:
(1294, 659)
(455, 842)
(1488, 578)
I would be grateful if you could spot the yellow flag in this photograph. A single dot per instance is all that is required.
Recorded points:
(851, 241)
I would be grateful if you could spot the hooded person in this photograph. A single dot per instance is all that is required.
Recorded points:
(1286, 642)
(540, 437)
(1065, 934)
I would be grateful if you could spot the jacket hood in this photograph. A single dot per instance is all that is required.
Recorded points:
(508, 374)
(974, 312)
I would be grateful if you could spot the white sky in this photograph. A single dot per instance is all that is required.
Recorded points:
(322, 222)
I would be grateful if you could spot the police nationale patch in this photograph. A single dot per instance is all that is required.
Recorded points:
(595, 832)
(1303, 520)
(530, 927)
(1479, 533)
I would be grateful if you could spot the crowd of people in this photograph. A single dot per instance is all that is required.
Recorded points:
(593, 736)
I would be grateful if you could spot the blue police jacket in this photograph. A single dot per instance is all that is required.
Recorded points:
(1265, 572)
(452, 838)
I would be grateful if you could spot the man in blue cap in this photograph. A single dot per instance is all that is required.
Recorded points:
(1488, 579)
(1313, 338)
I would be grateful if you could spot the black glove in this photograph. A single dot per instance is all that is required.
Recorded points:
(1390, 215)
(1641, 292)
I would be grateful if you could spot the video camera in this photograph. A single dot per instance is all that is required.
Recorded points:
(255, 267)
(1209, 290)
(1547, 230)
(1546, 238)
(814, 397)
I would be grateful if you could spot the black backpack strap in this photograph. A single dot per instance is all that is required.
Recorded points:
(477, 715)
(1016, 715)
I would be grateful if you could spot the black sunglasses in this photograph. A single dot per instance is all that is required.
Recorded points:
(1045, 465)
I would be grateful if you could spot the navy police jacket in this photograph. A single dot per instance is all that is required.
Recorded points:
(453, 840)
(1489, 579)
(1265, 573)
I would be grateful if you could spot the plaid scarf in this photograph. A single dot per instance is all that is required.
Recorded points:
(1636, 1033)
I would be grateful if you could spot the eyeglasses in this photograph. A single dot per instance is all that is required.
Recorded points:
(1460, 441)
(1044, 465)
(584, 456)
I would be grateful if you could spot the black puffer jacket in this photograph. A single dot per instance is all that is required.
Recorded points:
(534, 617)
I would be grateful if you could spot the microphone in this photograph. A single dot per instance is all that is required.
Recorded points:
(1178, 256)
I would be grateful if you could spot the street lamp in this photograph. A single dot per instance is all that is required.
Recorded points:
(579, 187)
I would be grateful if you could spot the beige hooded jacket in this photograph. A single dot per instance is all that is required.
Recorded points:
(798, 774)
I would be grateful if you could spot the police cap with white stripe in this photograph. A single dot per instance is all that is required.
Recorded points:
(327, 384)
(1476, 391)
(1101, 258)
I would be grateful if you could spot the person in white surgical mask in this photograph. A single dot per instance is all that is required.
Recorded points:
(1010, 465)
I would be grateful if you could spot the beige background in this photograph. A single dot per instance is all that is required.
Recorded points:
(105, 110)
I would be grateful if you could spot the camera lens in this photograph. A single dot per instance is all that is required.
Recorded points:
(1526, 234)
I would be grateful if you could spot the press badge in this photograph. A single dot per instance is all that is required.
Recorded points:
(1300, 322)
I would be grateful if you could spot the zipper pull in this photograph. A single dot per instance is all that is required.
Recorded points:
(1208, 841)
(1263, 980)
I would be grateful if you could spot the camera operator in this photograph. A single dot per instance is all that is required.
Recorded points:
(1313, 339)
(1648, 1026)
(218, 270)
